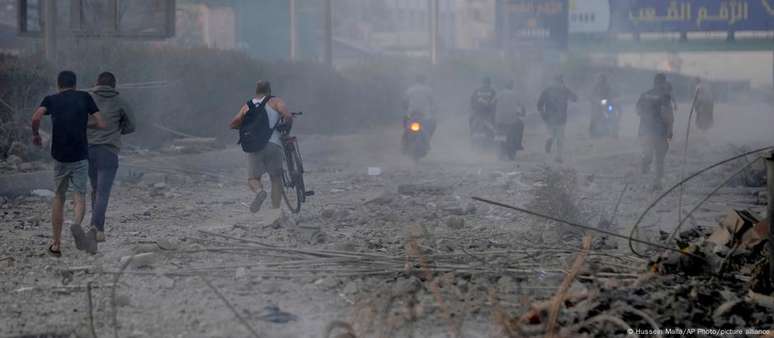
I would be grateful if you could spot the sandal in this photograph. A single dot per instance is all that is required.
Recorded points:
(55, 253)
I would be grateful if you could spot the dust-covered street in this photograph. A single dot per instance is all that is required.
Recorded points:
(402, 251)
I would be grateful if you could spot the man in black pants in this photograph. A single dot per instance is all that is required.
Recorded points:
(104, 145)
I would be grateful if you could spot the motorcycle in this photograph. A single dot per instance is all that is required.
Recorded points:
(482, 130)
(605, 123)
(417, 132)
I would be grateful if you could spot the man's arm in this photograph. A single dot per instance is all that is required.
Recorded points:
(281, 108)
(236, 122)
(37, 117)
(97, 122)
(127, 124)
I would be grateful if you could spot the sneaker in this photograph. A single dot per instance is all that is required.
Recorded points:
(84, 241)
(258, 201)
(100, 236)
(91, 241)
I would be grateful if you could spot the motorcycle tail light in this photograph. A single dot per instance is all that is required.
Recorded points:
(415, 127)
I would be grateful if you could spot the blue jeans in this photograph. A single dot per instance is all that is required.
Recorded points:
(103, 165)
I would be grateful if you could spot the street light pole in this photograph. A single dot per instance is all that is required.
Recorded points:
(433, 4)
(328, 33)
(293, 31)
(49, 30)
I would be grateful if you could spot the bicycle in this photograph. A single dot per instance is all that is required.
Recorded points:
(293, 190)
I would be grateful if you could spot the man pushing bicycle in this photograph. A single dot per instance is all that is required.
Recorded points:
(257, 123)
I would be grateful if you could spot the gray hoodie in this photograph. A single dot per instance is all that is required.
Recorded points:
(117, 115)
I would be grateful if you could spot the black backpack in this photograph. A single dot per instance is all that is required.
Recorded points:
(255, 131)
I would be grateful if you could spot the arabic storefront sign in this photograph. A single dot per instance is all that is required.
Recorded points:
(531, 20)
(692, 15)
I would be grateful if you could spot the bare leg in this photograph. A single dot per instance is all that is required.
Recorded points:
(255, 184)
(80, 207)
(276, 191)
(57, 217)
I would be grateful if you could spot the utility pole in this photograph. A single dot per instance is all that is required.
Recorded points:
(770, 212)
(49, 30)
(433, 11)
(328, 33)
(293, 31)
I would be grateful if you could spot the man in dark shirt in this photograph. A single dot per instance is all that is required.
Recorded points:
(552, 106)
(656, 125)
(69, 110)
(484, 100)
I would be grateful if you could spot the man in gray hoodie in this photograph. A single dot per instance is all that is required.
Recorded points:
(104, 145)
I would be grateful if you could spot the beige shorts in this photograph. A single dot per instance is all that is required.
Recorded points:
(267, 160)
(73, 175)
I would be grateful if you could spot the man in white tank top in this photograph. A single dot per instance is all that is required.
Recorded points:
(269, 159)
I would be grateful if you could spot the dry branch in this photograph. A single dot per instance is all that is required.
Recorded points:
(556, 303)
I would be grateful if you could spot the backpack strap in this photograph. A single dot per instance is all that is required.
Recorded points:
(251, 105)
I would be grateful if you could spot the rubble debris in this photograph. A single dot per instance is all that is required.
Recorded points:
(383, 199)
(328, 213)
(455, 222)
(191, 145)
(240, 273)
(42, 193)
(754, 176)
(734, 227)
(273, 314)
(420, 189)
(123, 300)
(18, 149)
(151, 179)
(7, 262)
(374, 171)
(143, 260)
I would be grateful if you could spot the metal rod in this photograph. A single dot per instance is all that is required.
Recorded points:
(239, 317)
(586, 227)
(678, 184)
(770, 212)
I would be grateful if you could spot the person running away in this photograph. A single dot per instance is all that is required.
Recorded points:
(104, 146)
(656, 126)
(257, 123)
(552, 106)
(69, 110)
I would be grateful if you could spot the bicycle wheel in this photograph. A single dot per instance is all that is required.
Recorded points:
(291, 180)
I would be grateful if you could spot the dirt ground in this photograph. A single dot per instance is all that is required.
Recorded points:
(406, 253)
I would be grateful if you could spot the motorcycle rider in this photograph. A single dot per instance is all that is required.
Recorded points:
(601, 91)
(508, 114)
(483, 102)
(656, 125)
(552, 106)
(419, 102)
